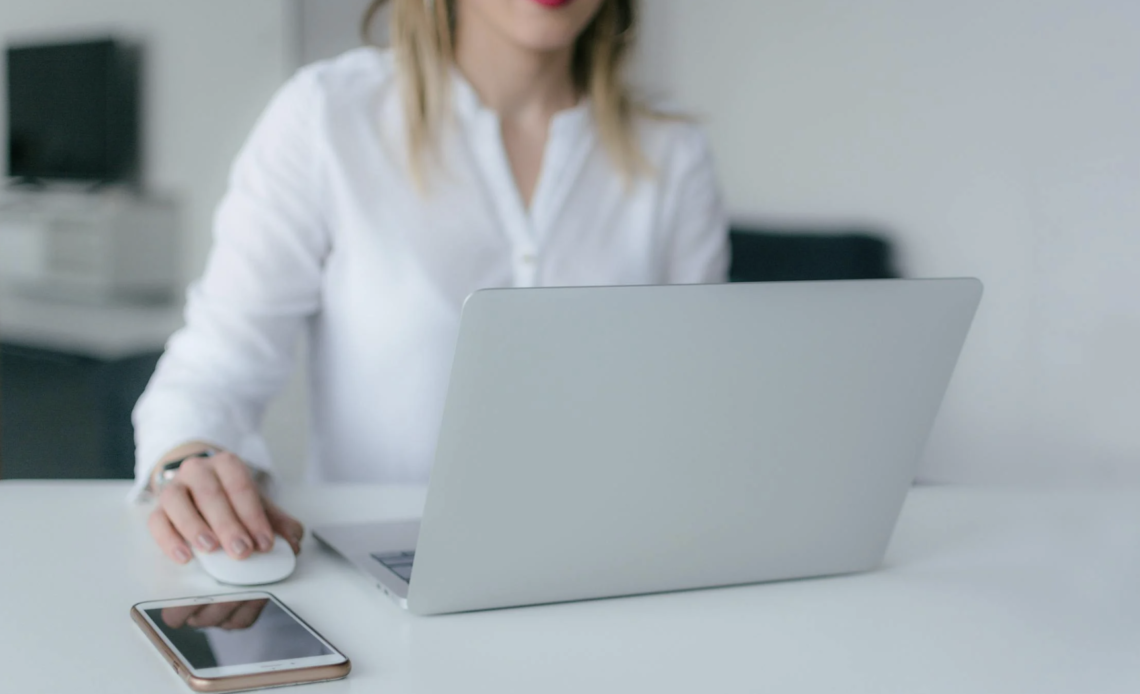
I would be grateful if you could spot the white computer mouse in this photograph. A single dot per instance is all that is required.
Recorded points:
(257, 569)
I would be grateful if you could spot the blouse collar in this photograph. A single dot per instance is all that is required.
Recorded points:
(469, 107)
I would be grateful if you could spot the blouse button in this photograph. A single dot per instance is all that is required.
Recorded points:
(529, 258)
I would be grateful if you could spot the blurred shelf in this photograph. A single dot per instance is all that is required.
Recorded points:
(101, 331)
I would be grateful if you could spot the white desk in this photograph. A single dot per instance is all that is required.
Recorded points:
(983, 591)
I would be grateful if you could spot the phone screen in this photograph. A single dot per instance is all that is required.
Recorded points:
(242, 632)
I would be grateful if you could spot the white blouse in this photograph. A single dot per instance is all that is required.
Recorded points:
(323, 233)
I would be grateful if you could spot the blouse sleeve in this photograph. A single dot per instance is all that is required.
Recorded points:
(262, 281)
(698, 251)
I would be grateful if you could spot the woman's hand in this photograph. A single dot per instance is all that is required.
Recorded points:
(215, 502)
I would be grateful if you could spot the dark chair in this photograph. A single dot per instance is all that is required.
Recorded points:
(770, 254)
(66, 415)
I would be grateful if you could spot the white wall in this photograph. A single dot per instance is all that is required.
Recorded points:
(326, 29)
(996, 138)
(211, 67)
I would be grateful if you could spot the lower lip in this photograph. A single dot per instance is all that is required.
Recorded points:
(553, 3)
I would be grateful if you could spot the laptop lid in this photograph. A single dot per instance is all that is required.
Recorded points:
(608, 441)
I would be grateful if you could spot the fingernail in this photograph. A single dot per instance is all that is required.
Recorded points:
(181, 554)
(264, 542)
(239, 546)
(207, 543)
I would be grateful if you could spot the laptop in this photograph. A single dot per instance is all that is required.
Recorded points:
(610, 441)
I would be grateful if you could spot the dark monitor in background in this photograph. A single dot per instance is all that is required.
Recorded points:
(73, 112)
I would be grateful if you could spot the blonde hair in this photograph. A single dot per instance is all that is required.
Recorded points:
(423, 40)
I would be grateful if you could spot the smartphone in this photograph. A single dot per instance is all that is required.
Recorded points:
(238, 641)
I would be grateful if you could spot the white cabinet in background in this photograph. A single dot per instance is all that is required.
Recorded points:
(90, 247)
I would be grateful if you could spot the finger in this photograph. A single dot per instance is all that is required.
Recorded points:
(175, 500)
(213, 614)
(245, 498)
(168, 539)
(214, 505)
(175, 617)
(285, 525)
(245, 615)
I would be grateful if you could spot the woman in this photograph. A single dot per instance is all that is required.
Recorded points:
(494, 145)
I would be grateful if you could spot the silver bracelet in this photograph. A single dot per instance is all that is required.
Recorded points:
(168, 470)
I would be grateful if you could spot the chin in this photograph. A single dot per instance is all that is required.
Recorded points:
(539, 25)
